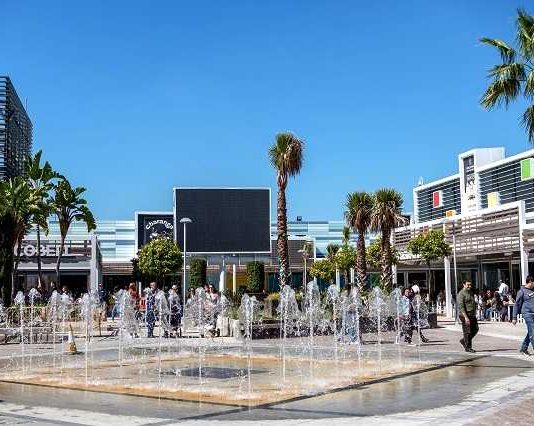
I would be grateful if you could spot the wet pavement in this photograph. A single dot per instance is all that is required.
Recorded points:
(457, 388)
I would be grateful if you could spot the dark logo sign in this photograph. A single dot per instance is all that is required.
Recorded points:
(150, 227)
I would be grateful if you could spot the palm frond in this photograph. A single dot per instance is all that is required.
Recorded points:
(527, 121)
(500, 92)
(507, 53)
(529, 85)
(525, 34)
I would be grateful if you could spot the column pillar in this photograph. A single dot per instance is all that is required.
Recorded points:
(338, 279)
(448, 287)
(352, 273)
(234, 278)
(394, 273)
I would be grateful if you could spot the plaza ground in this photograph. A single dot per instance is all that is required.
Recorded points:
(493, 386)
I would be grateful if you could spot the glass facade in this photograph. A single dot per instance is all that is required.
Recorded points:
(451, 200)
(15, 131)
(507, 181)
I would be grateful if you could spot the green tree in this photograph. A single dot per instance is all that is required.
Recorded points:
(197, 274)
(373, 255)
(286, 156)
(17, 205)
(255, 276)
(40, 178)
(69, 206)
(358, 216)
(514, 76)
(430, 246)
(160, 258)
(387, 215)
(324, 269)
(345, 259)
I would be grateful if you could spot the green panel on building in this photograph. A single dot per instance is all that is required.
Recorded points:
(526, 169)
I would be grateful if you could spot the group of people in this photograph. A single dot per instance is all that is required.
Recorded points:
(494, 304)
(410, 317)
(468, 308)
(165, 307)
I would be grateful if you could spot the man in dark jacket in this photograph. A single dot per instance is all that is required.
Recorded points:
(467, 309)
(524, 305)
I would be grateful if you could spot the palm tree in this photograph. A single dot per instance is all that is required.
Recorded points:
(286, 156)
(69, 206)
(17, 205)
(514, 77)
(331, 251)
(387, 215)
(40, 179)
(358, 216)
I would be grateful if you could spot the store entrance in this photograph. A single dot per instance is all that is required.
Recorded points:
(77, 284)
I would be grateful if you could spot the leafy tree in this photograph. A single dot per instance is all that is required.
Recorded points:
(514, 77)
(69, 206)
(40, 178)
(387, 215)
(358, 216)
(286, 156)
(345, 259)
(255, 276)
(160, 258)
(324, 269)
(17, 205)
(197, 274)
(373, 255)
(430, 246)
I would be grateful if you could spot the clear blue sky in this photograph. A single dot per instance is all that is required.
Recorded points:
(130, 98)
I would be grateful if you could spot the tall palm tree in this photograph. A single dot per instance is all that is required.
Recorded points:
(40, 178)
(514, 77)
(358, 216)
(286, 156)
(69, 206)
(387, 215)
(17, 205)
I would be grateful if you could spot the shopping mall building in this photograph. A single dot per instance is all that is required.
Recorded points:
(486, 210)
(103, 258)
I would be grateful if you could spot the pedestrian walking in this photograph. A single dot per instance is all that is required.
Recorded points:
(467, 310)
(524, 305)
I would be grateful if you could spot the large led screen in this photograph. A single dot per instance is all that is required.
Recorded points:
(224, 220)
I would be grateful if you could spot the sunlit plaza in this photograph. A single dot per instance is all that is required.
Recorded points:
(266, 213)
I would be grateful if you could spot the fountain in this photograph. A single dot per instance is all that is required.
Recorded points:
(19, 301)
(320, 347)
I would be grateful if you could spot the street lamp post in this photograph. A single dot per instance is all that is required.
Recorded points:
(455, 274)
(305, 256)
(185, 221)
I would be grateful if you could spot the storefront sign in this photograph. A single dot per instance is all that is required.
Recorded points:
(469, 190)
(152, 226)
(47, 250)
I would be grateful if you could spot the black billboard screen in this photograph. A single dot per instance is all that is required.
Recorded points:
(153, 225)
(224, 220)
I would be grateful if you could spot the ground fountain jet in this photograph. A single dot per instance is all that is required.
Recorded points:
(33, 296)
(247, 314)
(333, 298)
(19, 301)
(53, 311)
(289, 313)
(378, 312)
(312, 316)
(395, 302)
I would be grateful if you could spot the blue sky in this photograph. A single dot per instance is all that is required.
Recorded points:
(131, 98)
